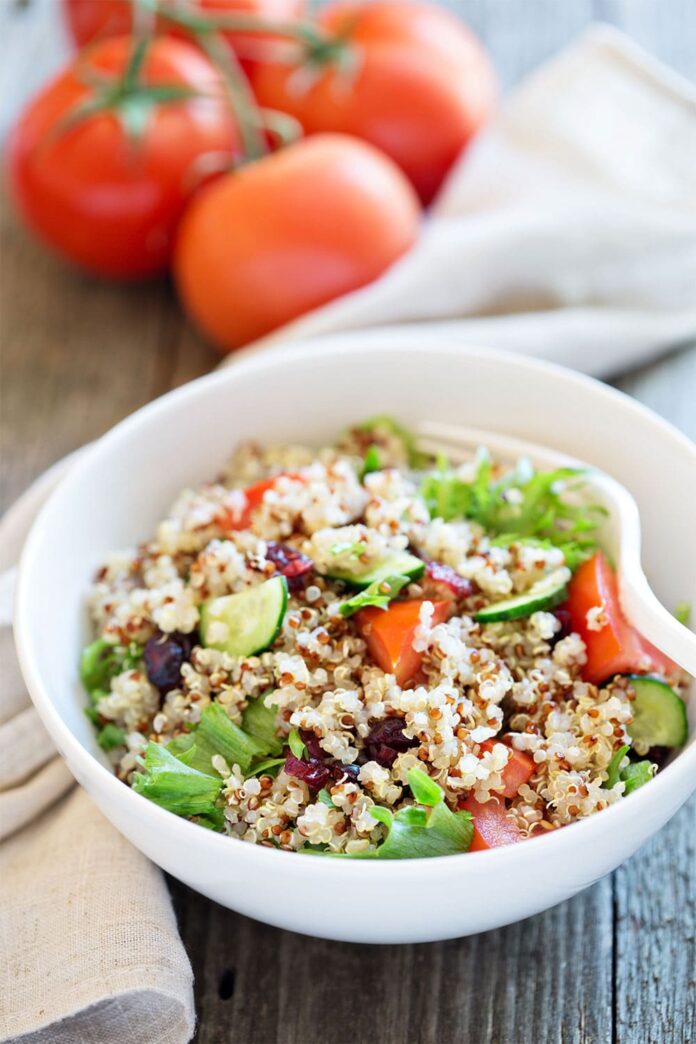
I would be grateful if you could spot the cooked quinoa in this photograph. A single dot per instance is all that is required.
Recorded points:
(494, 711)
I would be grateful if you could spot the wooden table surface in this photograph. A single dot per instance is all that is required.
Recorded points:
(617, 963)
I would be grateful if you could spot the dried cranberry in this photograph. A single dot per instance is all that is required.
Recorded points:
(187, 642)
(164, 658)
(387, 740)
(291, 564)
(456, 586)
(564, 618)
(659, 754)
(316, 774)
(344, 773)
(312, 744)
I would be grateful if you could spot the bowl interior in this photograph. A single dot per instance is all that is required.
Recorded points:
(118, 492)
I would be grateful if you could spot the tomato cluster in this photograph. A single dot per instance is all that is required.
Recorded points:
(164, 144)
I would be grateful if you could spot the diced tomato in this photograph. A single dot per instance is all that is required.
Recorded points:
(389, 635)
(517, 771)
(254, 495)
(492, 826)
(617, 648)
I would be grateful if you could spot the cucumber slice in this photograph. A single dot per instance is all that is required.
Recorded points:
(400, 563)
(253, 618)
(659, 715)
(544, 594)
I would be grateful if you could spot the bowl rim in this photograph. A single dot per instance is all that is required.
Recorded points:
(676, 776)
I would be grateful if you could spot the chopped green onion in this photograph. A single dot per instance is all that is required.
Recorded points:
(296, 745)
(110, 737)
(379, 593)
(614, 767)
(383, 422)
(372, 461)
(354, 549)
(267, 767)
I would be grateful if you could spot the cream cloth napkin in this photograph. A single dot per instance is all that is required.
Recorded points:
(568, 230)
(89, 947)
(569, 233)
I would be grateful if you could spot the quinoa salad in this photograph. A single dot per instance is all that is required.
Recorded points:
(365, 652)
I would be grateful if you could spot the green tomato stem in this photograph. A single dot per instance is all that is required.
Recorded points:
(284, 128)
(249, 116)
(198, 22)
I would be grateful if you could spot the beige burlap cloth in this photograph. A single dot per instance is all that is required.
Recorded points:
(89, 947)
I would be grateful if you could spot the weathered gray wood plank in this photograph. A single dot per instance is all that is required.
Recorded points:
(655, 938)
(77, 355)
(521, 983)
(667, 386)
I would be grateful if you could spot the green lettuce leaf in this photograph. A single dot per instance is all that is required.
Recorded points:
(259, 722)
(177, 787)
(637, 773)
(110, 736)
(101, 661)
(421, 832)
(388, 425)
(633, 776)
(194, 750)
(228, 739)
(379, 593)
(216, 734)
(523, 505)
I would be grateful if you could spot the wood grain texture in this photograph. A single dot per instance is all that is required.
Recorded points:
(617, 963)
(528, 982)
(655, 938)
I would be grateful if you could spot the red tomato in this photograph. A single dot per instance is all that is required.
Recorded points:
(254, 495)
(251, 46)
(418, 85)
(517, 771)
(91, 19)
(389, 635)
(290, 232)
(617, 648)
(492, 826)
(95, 19)
(104, 200)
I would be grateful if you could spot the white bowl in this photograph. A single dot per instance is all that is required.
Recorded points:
(120, 488)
